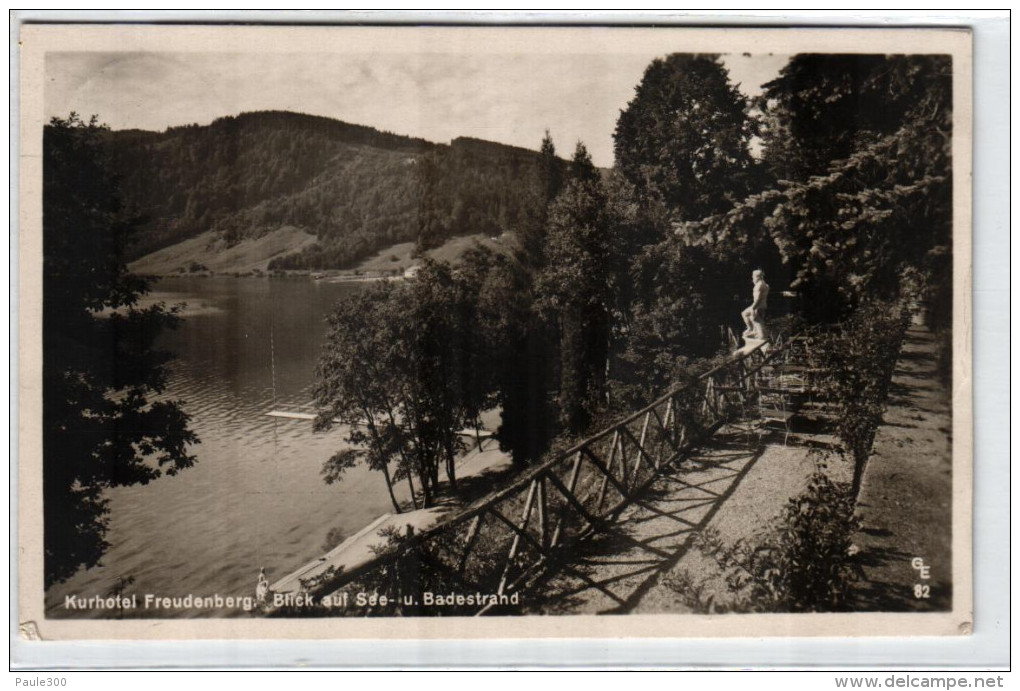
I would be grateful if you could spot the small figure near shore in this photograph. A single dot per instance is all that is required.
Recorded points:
(261, 588)
(754, 316)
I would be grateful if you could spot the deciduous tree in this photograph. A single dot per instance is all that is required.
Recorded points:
(403, 365)
(355, 387)
(106, 420)
(685, 137)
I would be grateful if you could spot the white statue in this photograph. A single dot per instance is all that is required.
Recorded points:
(754, 316)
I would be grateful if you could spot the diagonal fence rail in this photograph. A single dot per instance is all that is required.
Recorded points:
(487, 553)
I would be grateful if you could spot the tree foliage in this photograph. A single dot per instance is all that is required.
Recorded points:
(355, 388)
(581, 284)
(684, 143)
(518, 346)
(822, 108)
(685, 137)
(859, 358)
(402, 367)
(105, 421)
(857, 200)
(673, 319)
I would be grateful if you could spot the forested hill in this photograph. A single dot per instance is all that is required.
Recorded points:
(355, 188)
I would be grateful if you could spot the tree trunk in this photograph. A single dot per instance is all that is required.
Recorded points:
(403, 452)
(370, 421)
(426, 488)
(478, 433)
(451, 465)
(426, 494)
(410, 486)
(389, 488)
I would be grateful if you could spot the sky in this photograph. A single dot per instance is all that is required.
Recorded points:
(505, 97)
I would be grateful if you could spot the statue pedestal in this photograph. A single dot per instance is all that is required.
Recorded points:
(750, 343)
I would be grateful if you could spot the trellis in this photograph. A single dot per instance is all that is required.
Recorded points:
(503, 539)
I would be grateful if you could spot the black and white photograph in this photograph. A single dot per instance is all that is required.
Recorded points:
(500, 329)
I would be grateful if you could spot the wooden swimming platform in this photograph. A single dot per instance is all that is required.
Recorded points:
(304, 415)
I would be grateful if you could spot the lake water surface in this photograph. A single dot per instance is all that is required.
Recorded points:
(255, 497)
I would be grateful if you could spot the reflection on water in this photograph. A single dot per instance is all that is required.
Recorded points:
(255, 498)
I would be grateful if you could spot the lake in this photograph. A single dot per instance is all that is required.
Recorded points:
(255, 497)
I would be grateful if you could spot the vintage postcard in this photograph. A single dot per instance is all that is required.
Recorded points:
(419, 332)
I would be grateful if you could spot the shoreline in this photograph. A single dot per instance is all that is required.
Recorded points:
(287, 275)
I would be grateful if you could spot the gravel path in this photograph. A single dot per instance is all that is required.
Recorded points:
(906, 491)
(738, 483)
(735, 484)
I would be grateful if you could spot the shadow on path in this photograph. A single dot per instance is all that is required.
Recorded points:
(614, 570)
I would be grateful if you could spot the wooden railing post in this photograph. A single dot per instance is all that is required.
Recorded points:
(608, 471)
(469, 542)
(571, 485)
(667, 426)
(543, 524)
(640, 452)
(664, 439)
(525, 516)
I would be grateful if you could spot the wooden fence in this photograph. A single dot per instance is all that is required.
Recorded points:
(494, 546)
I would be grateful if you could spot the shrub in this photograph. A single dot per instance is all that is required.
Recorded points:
(804, 562)
(859, 359)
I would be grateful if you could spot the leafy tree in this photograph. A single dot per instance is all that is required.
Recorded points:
(405, 362)
(684, 143)
(674, 318)
(105, 421)
(868, 144)
(685, 137)
(822, 108)
(580, 284)
(859, 359)
(519, 349)
(355, 387)
(440, 360)
(853, 225)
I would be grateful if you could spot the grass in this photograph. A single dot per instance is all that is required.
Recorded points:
(254, 255)
(209, 251)
(399, 255)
